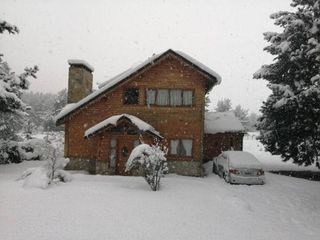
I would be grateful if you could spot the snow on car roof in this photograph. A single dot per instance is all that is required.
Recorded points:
(103, 87)
(140, 124)
(222, 122)
(240, 159)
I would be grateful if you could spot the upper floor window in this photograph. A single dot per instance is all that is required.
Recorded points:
(169, 97)
(131, 96)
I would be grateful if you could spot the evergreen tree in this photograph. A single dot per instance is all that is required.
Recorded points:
(223, 105)
(12, 108)
(290, 121)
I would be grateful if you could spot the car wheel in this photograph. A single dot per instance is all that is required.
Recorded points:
(226, 177)
(214, 169)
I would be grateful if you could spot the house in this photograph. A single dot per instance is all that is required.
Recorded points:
(161, 99)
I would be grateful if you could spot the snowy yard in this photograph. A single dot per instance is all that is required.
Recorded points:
(115, 207)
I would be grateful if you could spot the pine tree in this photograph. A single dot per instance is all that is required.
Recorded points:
(12, 108)
(290, 122)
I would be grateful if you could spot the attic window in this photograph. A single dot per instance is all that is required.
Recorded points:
(131, 96)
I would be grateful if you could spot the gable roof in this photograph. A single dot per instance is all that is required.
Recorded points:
(213, 79)
(222, 122)
(113, 122)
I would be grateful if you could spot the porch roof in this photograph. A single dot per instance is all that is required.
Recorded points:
(113, 121)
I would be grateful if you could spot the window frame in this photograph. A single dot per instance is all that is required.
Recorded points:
(170, 105)
(180, 142)
(124, 94)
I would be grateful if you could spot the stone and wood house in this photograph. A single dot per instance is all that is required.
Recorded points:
(161, 99)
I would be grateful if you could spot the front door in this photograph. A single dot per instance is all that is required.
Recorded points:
(125, 146)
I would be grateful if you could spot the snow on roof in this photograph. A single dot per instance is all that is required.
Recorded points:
(240, 159)
(64, 111)
(201, 66)
(80, 62)
(140, 124)
(221, 122)
(124, 75)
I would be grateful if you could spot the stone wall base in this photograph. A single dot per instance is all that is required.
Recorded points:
(81, 164)
(186, 168)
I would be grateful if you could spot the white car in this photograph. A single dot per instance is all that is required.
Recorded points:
(239, 167)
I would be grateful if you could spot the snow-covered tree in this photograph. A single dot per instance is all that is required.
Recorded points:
(207, 103)
(12, 108)
(151, 161)
(290, 122)
(242, 114)
(223, 105)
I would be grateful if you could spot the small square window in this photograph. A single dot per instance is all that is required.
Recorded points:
(131, 96)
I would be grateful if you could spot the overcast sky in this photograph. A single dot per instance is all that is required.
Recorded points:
(225, 35)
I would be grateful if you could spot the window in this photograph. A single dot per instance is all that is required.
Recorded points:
(112, 156)
(169, 97)
(131, 96)
(187, 98)
(175, 97)
(151, 96)
(163, 97)
(181, 147)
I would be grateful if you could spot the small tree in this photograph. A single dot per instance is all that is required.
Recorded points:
(151, 161)
(223, 105)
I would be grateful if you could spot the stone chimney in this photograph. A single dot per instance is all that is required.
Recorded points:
(80, 80)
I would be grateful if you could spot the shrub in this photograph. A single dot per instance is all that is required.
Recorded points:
(151, 161)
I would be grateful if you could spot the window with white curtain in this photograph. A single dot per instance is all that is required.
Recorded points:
(175, 97)
(151, 96)
(181, 147)
(169, 97)
(174, 147)
(163, 97)
(187, 144)
(187, 97)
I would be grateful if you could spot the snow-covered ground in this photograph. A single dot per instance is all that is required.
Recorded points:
(270, 162)
(115, 207)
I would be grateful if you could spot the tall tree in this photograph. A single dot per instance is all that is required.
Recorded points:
(12, 108)
(223, 105)
(290, 122)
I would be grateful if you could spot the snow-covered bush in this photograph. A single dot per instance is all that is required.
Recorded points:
(16, 152)
(50, 172)
(151, 161)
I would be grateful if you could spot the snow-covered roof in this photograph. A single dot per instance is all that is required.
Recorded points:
(80, 62)
(240, 159)
(216, 79)
(140, 124)
(222, 122)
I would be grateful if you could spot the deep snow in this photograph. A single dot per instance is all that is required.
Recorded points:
(115, 207)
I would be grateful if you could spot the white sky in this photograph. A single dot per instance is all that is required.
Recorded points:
(225, 35)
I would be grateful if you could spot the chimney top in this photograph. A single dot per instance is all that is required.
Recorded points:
(73, 62)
